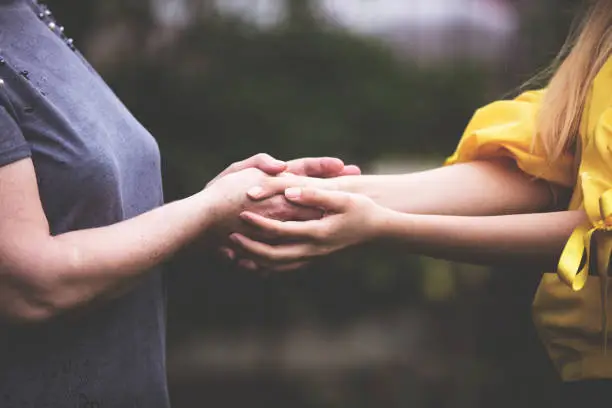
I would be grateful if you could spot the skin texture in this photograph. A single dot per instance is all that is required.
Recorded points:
(477, 188)
(275, 205)
(42, 275)
(483, 225)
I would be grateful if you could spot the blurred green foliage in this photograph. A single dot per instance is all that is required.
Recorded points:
(223, 91)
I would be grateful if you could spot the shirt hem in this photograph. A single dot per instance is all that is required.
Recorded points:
(14, 154)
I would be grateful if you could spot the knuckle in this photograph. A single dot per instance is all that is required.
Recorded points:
(309, 194)
(274, 206)
(321, 232)
(283, 208)
(261, 157)
(236, 166)
(268, 183)
(253, 172)
(348, 201)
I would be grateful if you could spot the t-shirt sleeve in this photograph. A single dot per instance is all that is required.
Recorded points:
(507, 129)
(13, 145)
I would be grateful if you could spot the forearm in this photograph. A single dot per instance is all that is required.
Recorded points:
(72, 270)
(525, 239)
(478, 188)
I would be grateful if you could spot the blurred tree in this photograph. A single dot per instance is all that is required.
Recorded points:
(79, 17)
(300, 13)
(235, 91)
(545, 26)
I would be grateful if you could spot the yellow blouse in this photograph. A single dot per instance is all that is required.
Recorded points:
(571, 308)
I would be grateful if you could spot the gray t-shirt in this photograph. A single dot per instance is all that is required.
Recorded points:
(96, 165)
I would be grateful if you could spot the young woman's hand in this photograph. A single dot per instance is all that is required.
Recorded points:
(227, 198)
(268, 197)
(268, 193)
(349, 219)
(274, 186)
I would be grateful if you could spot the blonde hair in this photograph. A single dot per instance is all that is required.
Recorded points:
(575, 68)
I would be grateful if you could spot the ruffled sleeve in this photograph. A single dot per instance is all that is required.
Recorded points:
(506, 129)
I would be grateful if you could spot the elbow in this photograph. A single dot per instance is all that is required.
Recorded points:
(37, 286)
(32, 299)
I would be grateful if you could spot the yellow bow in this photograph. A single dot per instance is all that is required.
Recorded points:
(576, 258)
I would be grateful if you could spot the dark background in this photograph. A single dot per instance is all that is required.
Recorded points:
(371, 328)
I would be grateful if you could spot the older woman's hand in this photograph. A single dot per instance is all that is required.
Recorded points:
(274, 205)
(229, 195)
(268, 200)
(322, 167)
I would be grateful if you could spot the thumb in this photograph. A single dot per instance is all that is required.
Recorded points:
(265, 163)
(326, 167)
(321, 167)
(335, 201)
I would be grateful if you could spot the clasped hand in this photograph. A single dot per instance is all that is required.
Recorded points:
(288, 219)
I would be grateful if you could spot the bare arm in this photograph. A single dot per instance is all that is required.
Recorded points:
(520, 239)
(476, 188)
(42, 275)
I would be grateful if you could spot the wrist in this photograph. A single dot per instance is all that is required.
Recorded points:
(207, 207)
(380, 223)
(330, 184)
(387, 224)
(342, 183)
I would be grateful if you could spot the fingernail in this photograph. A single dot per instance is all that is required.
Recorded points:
(293, 192)
(279, 163)
(255, 192)
(234, 238)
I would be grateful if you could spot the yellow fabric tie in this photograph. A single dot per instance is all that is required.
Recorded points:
(578, 256)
